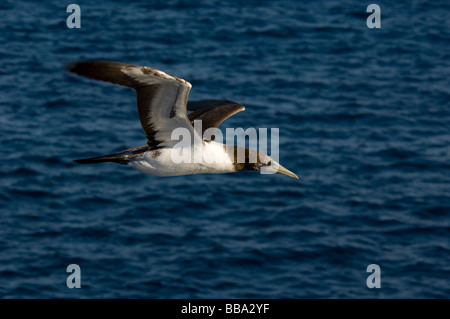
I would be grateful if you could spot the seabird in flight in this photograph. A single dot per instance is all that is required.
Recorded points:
(162, 102)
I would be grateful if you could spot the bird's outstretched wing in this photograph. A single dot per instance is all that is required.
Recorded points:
(212, 112)
(161, 98)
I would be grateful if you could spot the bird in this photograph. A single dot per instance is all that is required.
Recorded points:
(162, 103)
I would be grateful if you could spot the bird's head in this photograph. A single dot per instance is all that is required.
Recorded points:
(255, 161)
(267, 165)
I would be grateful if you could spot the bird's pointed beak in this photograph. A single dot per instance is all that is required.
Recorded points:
(284, 171)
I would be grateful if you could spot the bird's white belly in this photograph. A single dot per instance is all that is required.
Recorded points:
(209, 158)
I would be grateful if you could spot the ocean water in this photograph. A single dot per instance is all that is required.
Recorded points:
(363, 116)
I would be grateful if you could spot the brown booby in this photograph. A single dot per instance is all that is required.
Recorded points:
(162, 102)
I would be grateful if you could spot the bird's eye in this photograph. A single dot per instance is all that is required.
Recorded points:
(269, 163)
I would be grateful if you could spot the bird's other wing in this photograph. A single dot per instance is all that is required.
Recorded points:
(161, 98)
(212, 112)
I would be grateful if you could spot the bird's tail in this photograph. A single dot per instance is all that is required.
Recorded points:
(116, 158)
(123, 157)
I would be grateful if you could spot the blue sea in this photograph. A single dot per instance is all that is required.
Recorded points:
(363, 117)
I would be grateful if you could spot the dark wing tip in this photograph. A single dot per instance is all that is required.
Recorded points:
(82, 67)
(102, 70)
(81, 161)
(87, 66)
